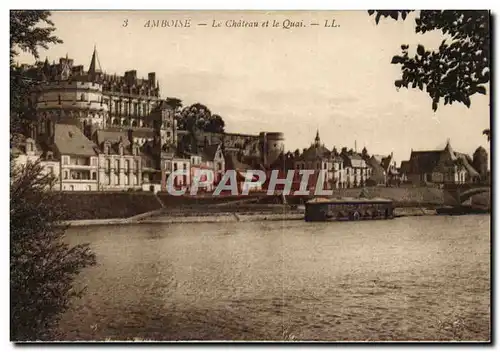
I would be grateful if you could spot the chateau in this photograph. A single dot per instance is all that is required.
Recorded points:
(96, 131)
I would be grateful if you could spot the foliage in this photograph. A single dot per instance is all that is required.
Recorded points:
(459, 68)
(42, 266)
(199, 117)
(27, 35)
(364, 153)
(175, 103)
(487, 133)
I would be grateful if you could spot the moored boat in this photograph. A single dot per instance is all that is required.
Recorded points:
(325, 209)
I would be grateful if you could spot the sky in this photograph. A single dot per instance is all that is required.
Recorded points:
(337, 80)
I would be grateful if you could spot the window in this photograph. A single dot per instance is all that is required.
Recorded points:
(184, 166)
(137, 164)
(65, 160)
(65, 174)
(108, 164)
(168, 134)
(82, 97)
(93, 161)
(117, 164)
(127, 165)
(175, 166)
(71, 188)
(94, 176)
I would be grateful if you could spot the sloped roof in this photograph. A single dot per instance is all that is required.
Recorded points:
(315, 152)
(113, 137)
(232, 163)
(466, 161)
(386, 162)
(405, 166)
(70, 140)
(424, 161)
(353, 160)
(377, 170)
(208, 153)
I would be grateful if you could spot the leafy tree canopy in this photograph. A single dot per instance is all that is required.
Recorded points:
(198, 116)
(459, 68)
(29, 30)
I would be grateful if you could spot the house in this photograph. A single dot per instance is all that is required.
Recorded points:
(119, 161)
(378, 175)
(440, 167)
(404, 170)
(319, 159)
(78, 156)
(27, 150)
(357, 171)
(391, 171)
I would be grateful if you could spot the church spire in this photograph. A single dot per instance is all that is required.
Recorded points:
(95, 66)
(317, 140)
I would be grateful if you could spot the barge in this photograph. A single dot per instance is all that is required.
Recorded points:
(324, 209)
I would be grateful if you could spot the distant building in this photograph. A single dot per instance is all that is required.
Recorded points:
(441, 166)
(318, 158)
(357, 172)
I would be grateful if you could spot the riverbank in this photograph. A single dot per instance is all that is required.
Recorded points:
(227, 217)
(118, 208)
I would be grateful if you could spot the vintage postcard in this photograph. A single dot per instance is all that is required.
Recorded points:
(250, 176)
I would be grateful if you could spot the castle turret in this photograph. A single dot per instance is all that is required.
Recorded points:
(272, 145)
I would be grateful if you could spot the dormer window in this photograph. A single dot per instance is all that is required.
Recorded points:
(49, 156)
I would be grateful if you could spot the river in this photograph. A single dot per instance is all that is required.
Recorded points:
(413, 278)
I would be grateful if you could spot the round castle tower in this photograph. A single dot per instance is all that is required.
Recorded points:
(69, 95)
(272, 145)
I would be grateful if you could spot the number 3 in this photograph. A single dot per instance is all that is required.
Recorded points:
(125, 23)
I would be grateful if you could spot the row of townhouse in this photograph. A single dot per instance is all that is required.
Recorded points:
(445, 166)
(79, 164)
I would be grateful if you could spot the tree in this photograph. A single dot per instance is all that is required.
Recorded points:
(26, 35)
(487, 133)
(480, 162)
(174, 103)
(199, 117)
(459, 68)
(364, 154)
(42, 266)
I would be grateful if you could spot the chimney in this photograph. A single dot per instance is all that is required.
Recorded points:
(152, 78)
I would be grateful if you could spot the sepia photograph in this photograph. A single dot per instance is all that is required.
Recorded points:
(250, 176)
